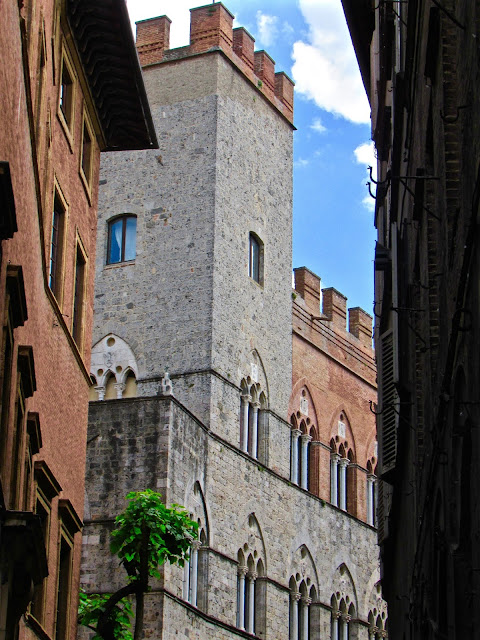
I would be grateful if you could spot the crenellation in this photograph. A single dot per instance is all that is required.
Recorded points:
(284, 89)
(307, 284)
(264, 67)
(211, 26)
(153, 38)
(360, 325)
(211, 29)
(335, 307)
(244, 46)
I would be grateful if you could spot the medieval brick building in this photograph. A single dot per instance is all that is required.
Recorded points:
(420, 63)
(57, 114)
(194, 278)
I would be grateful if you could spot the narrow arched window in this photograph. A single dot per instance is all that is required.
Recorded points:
(122, 233)
(255, 262)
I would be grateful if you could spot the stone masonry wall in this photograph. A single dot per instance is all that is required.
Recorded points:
(160, 439)
(187, 303)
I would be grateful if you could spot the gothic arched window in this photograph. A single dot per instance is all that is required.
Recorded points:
(122, 234)
(253, 419)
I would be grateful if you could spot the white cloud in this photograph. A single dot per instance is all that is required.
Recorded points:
(287, 29)
(369, 203)
(267, 28)
(325, 69)
(365, 154)
(318, 126)
(301, 162)
(178, 12)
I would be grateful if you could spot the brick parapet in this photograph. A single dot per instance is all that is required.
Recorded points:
(334, 312)
(211, 29)
(153, 38)
(343, 347)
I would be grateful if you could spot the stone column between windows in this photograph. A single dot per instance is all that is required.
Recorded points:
(334, 479)
(101, 392)
(251, 602)
(119, 388)
(295, 597)
(196, 544)
(305, 439)
(306, 602)
(370, 499)
(186, 581)
(335, 619)
(244, 441)
(255, 409)
(296, 433)
(344, 628)
(242, 572)
(343, 463)
(372, 633)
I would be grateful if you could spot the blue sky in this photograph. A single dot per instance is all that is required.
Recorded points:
(333, 232)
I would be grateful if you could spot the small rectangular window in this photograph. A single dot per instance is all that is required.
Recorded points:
(64, 586)
(79, 296)
(57, 246)
(47, 488)
(86, 152)
(70, 524)
(66, 98)
(18, 445)
(37, 607)
(255, 269)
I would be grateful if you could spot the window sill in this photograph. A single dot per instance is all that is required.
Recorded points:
(117, 265)
(258, 284)
(87, 185)
(33, 623)
(66, 129)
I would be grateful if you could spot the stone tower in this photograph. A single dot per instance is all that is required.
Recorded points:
(194, 278)
(220, 182)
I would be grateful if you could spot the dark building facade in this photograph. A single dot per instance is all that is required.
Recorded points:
(420, 64)
(70, 87)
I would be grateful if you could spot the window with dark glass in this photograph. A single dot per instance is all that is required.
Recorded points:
(122, 232)
(64, 586)
(47, 488)
(86, 159)
(255, 269)
(79, 296)
(66, 93)
(56, 246)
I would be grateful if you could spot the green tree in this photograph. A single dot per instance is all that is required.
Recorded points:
(146, 535)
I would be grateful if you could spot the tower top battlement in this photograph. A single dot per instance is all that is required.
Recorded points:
(334, 307)
(211, 29)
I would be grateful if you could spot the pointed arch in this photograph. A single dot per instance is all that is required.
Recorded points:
(344, 585)
(304, 451)
(112, 356)
(254, 414)
(344, 603)
(304, 620)
(110, 381)
(195, 584)
(251, 580)
(296, 405)
(377, 609)
(343, 475)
